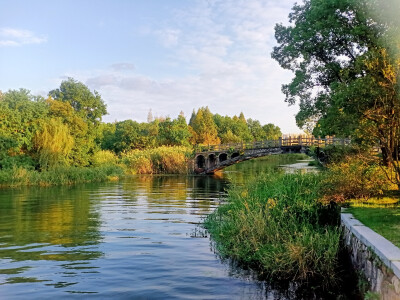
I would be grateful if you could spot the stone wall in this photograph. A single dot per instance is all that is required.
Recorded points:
(374, 256)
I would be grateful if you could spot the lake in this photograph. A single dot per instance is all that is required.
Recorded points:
(138, 238)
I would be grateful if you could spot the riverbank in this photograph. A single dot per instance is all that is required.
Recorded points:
(19, 176)
(276, 224)
(105, 166)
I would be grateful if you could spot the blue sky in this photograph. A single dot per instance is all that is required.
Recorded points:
(164, 55)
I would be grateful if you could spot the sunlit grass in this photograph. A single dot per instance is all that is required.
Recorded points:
(275, 223)
(384, 202)
(385, 221)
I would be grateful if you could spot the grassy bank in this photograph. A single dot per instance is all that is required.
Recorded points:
(385, 221)
(105, 165)
(19, 176)
(275, 224)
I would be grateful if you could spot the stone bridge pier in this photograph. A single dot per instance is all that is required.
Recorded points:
(210, 161)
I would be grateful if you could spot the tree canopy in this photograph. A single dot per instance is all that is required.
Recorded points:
(344, 55)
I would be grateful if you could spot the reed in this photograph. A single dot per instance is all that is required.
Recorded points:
(161, 160)
(275, 224)
(19, 176)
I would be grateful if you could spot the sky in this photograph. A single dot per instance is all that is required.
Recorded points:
(164, 55)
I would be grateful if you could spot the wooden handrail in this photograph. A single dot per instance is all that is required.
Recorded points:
(281, 142)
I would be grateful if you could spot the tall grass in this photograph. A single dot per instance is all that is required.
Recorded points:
(19, 176)
(275, 224)
(161, 160)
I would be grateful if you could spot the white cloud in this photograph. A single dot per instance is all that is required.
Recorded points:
(224, 47)
(123, 66)
(18, 37)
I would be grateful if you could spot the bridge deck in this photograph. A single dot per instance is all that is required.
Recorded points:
(281, 142)
(211, 158)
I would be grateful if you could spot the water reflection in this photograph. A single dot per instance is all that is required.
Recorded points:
(138, 238)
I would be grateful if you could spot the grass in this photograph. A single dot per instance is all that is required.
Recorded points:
(275, 224)
(161, 160)
(19, 176)
(383, 220)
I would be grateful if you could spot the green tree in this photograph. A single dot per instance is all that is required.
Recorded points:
(174, 132)
(272, 132)
(89, 105)
(256, 130)
(345, 60)
(204, 128)
(53, 144)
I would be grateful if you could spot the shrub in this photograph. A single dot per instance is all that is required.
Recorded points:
(104, 157)
(166, 160)
(275, 224)
(354, 178)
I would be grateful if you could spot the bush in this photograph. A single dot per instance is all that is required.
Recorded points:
(19, 176)
(104, 157)
(275, 224)
(333, 154)
(161, 160)
(354, 178)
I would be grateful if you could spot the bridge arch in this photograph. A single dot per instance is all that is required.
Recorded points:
(235, 154)
(223, 157)
(200, 162)
(212, 160)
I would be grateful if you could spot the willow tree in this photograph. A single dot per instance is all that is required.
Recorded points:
(345, 60)
(53, 144)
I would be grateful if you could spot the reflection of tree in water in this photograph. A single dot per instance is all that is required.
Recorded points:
(48, 224)
(175, 190)
(240, 172)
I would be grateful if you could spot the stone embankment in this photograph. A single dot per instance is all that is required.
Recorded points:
(374, 256)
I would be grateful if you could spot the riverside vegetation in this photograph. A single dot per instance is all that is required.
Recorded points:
(347, 71)
(62, 140)
(285, 226)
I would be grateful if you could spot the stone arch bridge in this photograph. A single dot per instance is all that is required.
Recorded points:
(209, 159)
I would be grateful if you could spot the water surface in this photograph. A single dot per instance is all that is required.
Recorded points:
(134, 239)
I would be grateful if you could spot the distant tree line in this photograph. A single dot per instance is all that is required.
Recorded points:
(66, 129)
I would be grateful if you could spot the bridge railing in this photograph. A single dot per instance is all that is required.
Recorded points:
(281, 142)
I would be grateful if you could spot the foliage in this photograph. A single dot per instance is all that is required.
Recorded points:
(346, 69)
(164, 159)
(89, 105)
(272, 132)
(354, 178)
(53, 144)
(19, 176)
(104, 157)
(204, 128)
(335, 154)
(174, 132)
(65, 130)
(275, 223)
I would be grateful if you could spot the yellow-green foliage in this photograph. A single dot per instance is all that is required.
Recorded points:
(104, 157)
(275, 223)
(354, 178)
(171, 160)
(19, 176)
(53, 144)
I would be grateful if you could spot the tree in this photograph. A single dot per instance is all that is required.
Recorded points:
(174, 132)
(53, 144)
(204, 127)
(21, 116)
(272, 132)
(256, 130)
(346, 65)
(89, 105)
